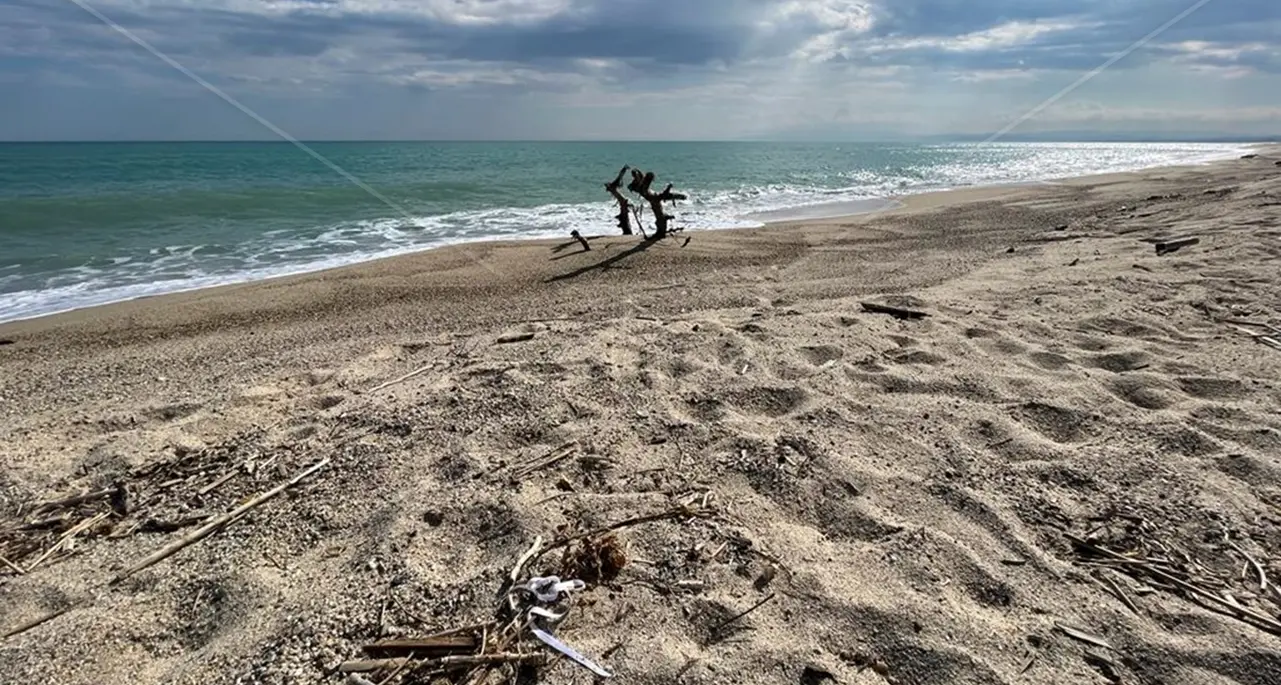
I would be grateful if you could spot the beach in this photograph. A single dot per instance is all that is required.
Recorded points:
(897, 495)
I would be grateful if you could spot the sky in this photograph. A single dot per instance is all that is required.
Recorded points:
(635, 69)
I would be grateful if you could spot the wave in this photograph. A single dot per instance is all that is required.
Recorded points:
(280, 252)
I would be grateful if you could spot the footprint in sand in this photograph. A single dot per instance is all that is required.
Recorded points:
(821, 354)
(773, 402)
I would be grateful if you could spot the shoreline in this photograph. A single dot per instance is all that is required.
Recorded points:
(817, 213)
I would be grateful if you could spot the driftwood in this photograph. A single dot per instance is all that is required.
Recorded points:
(1168, 246)
(421, 645)
(583, 241)
(642, 184)
(217, 523)
(678, 512)
(624, 205)
(446, 662)
(43, 618)
(723, 624)
(895, 312)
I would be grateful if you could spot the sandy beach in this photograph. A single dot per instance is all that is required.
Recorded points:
(1065, 471)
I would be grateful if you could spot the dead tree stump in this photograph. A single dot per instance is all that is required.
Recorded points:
(641, 184)
(624, 205)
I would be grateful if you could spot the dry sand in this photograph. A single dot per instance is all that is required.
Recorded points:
(910, 483)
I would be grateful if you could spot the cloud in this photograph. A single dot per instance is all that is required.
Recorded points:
(756, 64)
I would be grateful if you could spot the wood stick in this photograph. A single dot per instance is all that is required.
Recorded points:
(1169, 246)
(423, 644)
(218, 523)
(735, 617)
(16, 568)
(895, 312)
(679, 512)
(210, 487)
(1258, 568)
(24, 627)
(551, 459)
(581, 240)
(416, 372)
(67, 536)
(1271, 624)
(370, 665)
(73, 500)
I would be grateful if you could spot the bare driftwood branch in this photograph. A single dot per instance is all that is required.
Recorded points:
(895, 312)
(581, 240)
(401, 379)
(43, 618)
(723, 624)
(422, 645)
(456, 661)
(641, 184)
(73, 500)
(218, 523)
(624, 205)
(1169, 246)
(675, 513)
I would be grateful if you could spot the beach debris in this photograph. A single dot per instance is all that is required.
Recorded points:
(1168, 246)
(642, 185)
(7, 341)
(528, 609)
(39, 620)
(624, 205)
(896, 312)
(1078, 634)
(680, 511)
(716, 630)
(569, 652)
(1273, 341)
(218, 523)
(547, 461)
(595, 560)
(401, 379)
(581, 240)
(521, 336)
(1161, 565)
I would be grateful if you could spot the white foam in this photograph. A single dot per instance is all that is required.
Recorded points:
(282, 252)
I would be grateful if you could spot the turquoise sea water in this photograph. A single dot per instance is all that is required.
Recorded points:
(89, 223)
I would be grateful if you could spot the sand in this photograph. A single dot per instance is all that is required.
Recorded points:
(902, 488)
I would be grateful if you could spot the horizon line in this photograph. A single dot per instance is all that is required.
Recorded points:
(1065, 137)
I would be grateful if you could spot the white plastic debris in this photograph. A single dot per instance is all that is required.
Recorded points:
(571, 653)
(548, 589)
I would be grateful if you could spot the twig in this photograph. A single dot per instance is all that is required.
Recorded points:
(895, 312)
(1258, 568)
(64, 541)
(369, 665)
(411, 645)
(679, 512)
(73, 500)
(24, 627)
(16, 568)
(1120, 594)
(416, 372)
(218, 523)
(214, 485)
(721, 626)
(524, 559)
(1169, 246)
(551, 459)
(1262, 621)
(398, 671)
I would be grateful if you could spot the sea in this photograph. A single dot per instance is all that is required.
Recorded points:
(84, 224)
